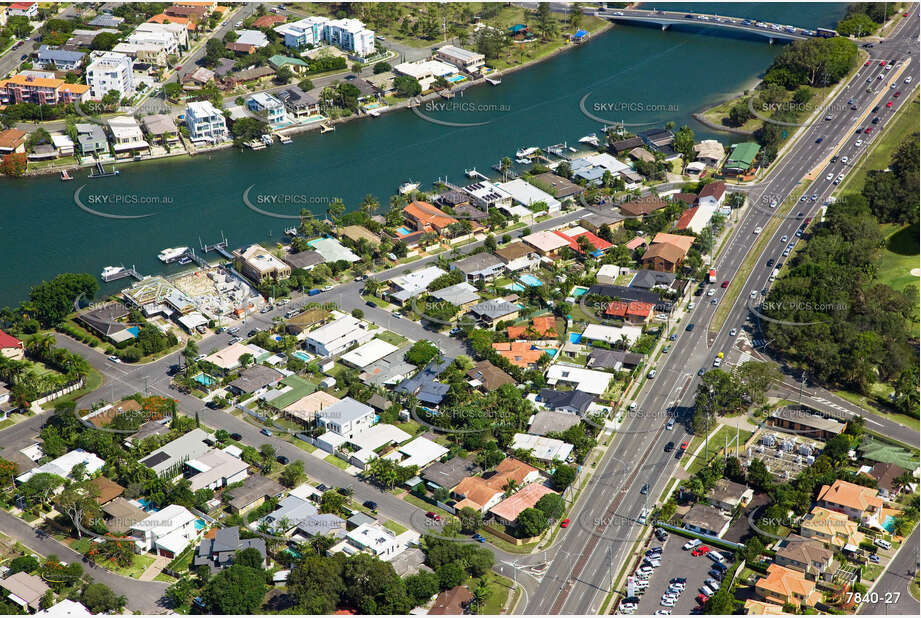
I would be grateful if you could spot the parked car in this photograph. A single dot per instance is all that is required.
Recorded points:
(644, 489)
(689, 327)
(669, 447)
(479, 538)
(282, 460)
(434, 516)
(265, 432)
(370, 504)
(692, 543)
(670, 424)
(564, 523)
(236, 436)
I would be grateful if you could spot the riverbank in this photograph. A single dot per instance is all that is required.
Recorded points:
(192, 151)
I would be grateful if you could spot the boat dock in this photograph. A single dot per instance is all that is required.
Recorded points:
(284, 139)
(219, 247)
(100, 172)
(124, 272)
(472, 173)
(493, 81)
(326, 128)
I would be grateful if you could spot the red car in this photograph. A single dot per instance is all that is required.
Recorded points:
(905, 14)
(724, 284)
(703, 549)
(433, 515)
(702, 598)
(889, 104)
(882, 63)
(564, 523)
(684, 445)
(898, 93)
(869, 130)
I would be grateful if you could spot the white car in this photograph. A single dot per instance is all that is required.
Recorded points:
(908, 79)
(717, 361)
(711, 292)
(667, 603)
(844, 160)
(829, 176)
(115, 359)
(784, 238)
(663, 612)
(691, 544)
(733, 332)
(327, 288)
(754, 294)
(773, 203)
(691, 305)
(757, 230)
(858, 143)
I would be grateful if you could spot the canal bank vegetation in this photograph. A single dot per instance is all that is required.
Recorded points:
(794, 87)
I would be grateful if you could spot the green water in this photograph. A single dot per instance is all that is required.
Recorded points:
(646, 75)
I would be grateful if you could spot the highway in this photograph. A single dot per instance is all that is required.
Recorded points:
(579, 577)
(666, 19)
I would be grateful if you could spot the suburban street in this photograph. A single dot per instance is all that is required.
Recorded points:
(891, 590)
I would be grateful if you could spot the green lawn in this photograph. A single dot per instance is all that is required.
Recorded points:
(332, 459)
(392, 338)
(499, 589)
(899, 257)
(725, 433)
(139, 564)
(395, 527)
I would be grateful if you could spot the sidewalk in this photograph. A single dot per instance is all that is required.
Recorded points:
(154, 569)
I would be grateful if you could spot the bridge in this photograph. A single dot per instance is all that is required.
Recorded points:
(666, 19)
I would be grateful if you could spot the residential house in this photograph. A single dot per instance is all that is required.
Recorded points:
(479, 266)
(728, 495)
(161, 129)
(59, 59)
(405, 287)
(811, 425)
(23, 9)
(110, 71)
(805, 555)
(573, 401)
(628, 144)
(712, 195)
(10, 346)
(63, 144)
(166, 532)
(252, 494)
(486, 195)
(754, 607)
(886, 475)
(167, 461)
(12, 140)
(660, 140)
(288, 515)
(259, 265)
(452, 602)
(667, 252)
(586, 380)
(106, 489)
(268, 108)
(205, 122)
(785, 586)
(625, 335)
(371, 538)
(368, 353)
(542, 448)
(350, 35)
(64, 465)
(546, 243)
(462, 295)
(706, 520)
(256, 38)
(506, 512)
(464, 60)
(517, 256)
(642, 206)
(573, 235)
(337, 336)
(543, 327)
(594, 221)
(695, 219)
(529, 196)
(741, 159)
(127, 137)
(91, 139)
(255, 380)
(25, 590)
(522, 354)
(356, 233)
(447, 475)
(487, 377)
(269, 21)
(491, 312)
(427, 218)
(347, 417)
(641, 154)
(334, 251)
(218, 552)
(214, 470)
(615, 360)
(65, 607)
(305, 260)
(557, 186)
(305, 409)
(426, 72)
(300, 324)
(859, 503)
(424, 385)
(832, 528)
(710, 152)
(546, 422)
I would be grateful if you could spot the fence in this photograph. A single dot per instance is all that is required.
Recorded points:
(73, 386)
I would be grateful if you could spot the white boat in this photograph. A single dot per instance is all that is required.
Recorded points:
(525, 152)
(523, 160)
(591, 139)
(185, 260)
(172, 254)
(110, 272)
(408, 187)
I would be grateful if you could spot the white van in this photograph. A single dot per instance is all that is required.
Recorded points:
(715, 556)
(691, 544)
(775, 273)
(882, 543)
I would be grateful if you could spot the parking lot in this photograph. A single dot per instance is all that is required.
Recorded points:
(676, 562)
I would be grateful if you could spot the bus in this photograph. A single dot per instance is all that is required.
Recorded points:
(712, 276)
(826, 33)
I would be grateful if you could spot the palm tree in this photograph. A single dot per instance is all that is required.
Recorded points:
(510, 486)
(480, 595)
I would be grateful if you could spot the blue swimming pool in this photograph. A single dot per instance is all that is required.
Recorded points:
(456, 78)
(575, 337)
(403, 230)
(147, 505)
(301, 355)
(516, 287)
(578, 291)
(134, 330)
(531, 281)
(889, 524)
(204, 379)
(200, 524)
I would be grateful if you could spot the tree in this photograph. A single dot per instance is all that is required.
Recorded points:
(332, 502)
(104, 41)
(40, 488)
(471, 519)
(450, 575)
(305, 84)
(421, 353)
(23, 564)
(720, 603)
(180, 592)
(293, 474)
(531, 523)
(684, 143)
(99, 599)
(407, 86)
(421, 586)
(235, 590)
(563, 476)
(14, 164)
(381, 67)
(316, 583)
(78, 501)
(551, 505)
(283, 75)
(249, 557)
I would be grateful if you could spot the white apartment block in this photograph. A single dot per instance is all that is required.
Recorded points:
(205, 122)
(151, 32)
(110, 71)
(350, 35)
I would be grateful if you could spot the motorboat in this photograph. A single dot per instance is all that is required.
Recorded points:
(408, 187)
(171, 254)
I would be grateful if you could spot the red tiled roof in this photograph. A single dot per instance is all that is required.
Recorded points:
(427, 214)
(518, 353)
(542, 327)
(714, 189)
(598, 243)
(685, 220)
(9, 341)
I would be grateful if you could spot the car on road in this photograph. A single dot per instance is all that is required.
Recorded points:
(868, 130)
(711, 292)
(652, 374)
(479, 538)
(327, 288)
(372, 304)
(673, 337)
(770, 262)
(252, 332)
(670, 424)
(717, 361)
(701, 371)
(875, 120)
(201, 357)
(564, 523)
(712, 583)
(669, 447)
(889, 104)
(815, 196)
(897, 94)
(433, 516)
(908, 79)
(784, 238)
(666, 349)
(644, 489)
(234, 330)
(829, 176)
(236, 436)
(724, 284)
(758, 230)
(820, 140)
(733, 332)
(844, 160)
(773, 203)
(115, 359)
(282, 460)
(265, 432)
(370, 504)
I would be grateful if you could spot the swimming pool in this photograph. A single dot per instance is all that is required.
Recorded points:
(889, 524)
(531, 281)
(134, 330)
(314, 118)
(301, 355)
(372, 105)
(204, 379)
(147, 505)
(516, 287)
(404, 231)
(575, 337)
(578, 291)
(456, 78)
(200, 524)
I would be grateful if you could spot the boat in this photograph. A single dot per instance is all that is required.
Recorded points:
(522, 160)
(65, 175)
(408, 187)
(112, 272)
(291, 231)
(171, 254)
(558, 149)
(590, 139)
(267, 139)
(493, 81)
(185, 260)
(526, 152)
(571, 149)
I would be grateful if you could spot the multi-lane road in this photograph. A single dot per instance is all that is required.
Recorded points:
(605, 527)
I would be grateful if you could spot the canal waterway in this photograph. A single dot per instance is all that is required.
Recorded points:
(641, 76)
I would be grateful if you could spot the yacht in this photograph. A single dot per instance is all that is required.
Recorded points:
(172, 254)
(521, 153)
(591, 139)
(110, 272)
(408, 187)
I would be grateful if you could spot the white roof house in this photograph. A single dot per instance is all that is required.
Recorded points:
(64, 465)
(348, 417)
(171, 529)
(612, 334)
(423, 69)
(229, 357)
(545, 449)
(374, 539)
(168, 459)
(332, 250)
(545, 241)
(216, 469)
(412, 284)
(420, 452)
(585, 380)
(337, 336)
(368, 353)
(63, 143)
(65, 608)
(613, 165)
(527, 194)
(255, 38)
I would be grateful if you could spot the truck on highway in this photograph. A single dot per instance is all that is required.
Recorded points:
(712, 276)
(314, 292)
(775, 273)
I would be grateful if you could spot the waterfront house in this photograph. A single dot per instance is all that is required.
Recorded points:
(465, 60)
(166, 532)
(785, 586)
(167, 460)
(661, 141)
(268, 108)
(12, 140)
(486, 195)
(628, 144)
(127, 137)
(59, 59)
(41, 89)
(10, 346)
(161, 129)
(205, 122)
(334, 251)
(479, 266)
(337, 336)
(356, 233)
(426, 72)
(25, 590)
(218, 552)
(710, 152)
(110, 71)
(259, 265)
(63, 144)
(299, 103)
(507, 511)
(641, 154)
(305, 260)
(91, 139)
(528, 195)
(427, 218)
(557, 186)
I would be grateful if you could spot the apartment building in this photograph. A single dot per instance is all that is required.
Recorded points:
(205, 122)
(110, 71)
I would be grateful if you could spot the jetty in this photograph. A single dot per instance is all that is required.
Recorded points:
(100, 172)
(472, 173)
(66, 176)
(284, 139)
(121, 273)
(493, 80)
(326, 128)
(219, 247)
